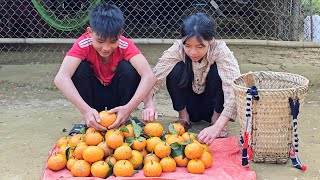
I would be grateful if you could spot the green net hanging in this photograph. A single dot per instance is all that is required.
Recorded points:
(65, 15)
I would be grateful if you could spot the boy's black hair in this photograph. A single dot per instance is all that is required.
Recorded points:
(200, 26)
(106, 20)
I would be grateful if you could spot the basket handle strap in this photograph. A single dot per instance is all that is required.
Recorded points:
(294, 150)
(252, 93)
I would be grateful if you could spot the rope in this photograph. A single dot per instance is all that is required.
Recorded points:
(294, 150)
(252, 93)
(64, 22)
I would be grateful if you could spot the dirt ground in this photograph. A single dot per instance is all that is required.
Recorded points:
(34, 113)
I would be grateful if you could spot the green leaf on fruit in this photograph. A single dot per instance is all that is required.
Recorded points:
(171, 129)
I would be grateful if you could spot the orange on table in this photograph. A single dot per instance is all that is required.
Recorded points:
(151, 142)
(195, 166)
(193, 150)
(144, 152)
(92, 154)
(111, 159)
(94, 138)
(123, 152)
(76, 139)
(153, 129)
(152, 169)
(206, 148)
(90, 130)
(168, 164)
(188, 136)
(181, 162)
(81, 168)
(106, 118)
(151, 157)
(63, 141)
(207, 159)
(114, 138)
(139, 145)
(162, 149)
(136, 159)
(70, 162)
(130, 129)
(107, 151)
(178, 128)
(78, 152)
(172, 138)
(100, 169)
(57, 162)
(123, 168)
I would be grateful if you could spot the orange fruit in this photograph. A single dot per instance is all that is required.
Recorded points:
(151, 142)
(150, 157)
(131, 133)
(162, 149)
(187, 136)
(137, 145)
(70, 162)
(100, 169)
(195, 166)
(106, 118)
(152, 169)
(178, 128)
(62, 149)
(63, 140)
(206, 148)
(153, 129)
(114, 138)
(57, 162)
(92, 154)
(193, 150)
(123, 168)
(168, 164)
(80, 168)
(78, 152)
(93, 139)
(207, 159)
(136, 159)
(174, 138)
(76, 139)
(123, 152)
(111, 159)
(144, 152)
(107, 151)
(181, 162)
(90, 130)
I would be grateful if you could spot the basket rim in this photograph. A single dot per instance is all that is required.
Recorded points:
(304, 85)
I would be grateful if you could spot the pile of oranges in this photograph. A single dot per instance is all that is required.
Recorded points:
(124, 151)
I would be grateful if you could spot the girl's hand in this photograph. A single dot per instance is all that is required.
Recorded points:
(207, 135)
(149, 114)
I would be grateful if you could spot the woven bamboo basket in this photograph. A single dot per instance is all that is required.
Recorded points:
(271, 127)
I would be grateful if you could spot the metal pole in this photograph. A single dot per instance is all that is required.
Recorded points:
(311, 21)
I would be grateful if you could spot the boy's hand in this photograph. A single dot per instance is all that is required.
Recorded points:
(123, 114)
(149, 114)
(92, 119)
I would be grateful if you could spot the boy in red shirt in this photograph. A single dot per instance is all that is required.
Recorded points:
(105, 69)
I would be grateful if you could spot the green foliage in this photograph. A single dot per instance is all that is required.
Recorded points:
(315, 6)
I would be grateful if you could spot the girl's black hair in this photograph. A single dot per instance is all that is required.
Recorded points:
(202, 27)
(107, 21)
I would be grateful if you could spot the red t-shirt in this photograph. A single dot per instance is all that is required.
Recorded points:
(84, 50)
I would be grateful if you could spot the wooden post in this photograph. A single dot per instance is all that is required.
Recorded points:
(295, 20)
